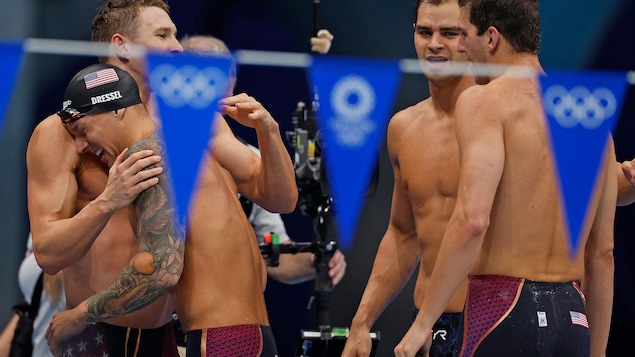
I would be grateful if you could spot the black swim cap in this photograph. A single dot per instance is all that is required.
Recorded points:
(98, 89)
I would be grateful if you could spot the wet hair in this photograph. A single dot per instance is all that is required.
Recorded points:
(431, 2)
(120, 16)
(517, 20)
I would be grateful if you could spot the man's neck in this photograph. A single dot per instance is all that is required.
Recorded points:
(518, 64)
(444, 93)
(141, 127)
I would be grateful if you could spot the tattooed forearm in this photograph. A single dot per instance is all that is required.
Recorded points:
(158, 263)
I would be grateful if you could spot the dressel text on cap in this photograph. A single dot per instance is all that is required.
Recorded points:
(108, 97)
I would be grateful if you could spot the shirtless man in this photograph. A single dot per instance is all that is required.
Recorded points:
(219, 297)
(78, 214)
(292, 268)
(118, 126)
(507, 231)
(425, 189)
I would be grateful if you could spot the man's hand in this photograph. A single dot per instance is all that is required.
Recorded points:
(628, 167)
(416, 342)
(337, 267)
(63, 326)
(322, 43)
(358, 342)
(247, 111)
(129, 177)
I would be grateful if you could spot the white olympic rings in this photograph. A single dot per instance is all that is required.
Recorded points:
(579, 106)
(188, 85)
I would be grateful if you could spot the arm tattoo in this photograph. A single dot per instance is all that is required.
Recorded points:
(158, 263)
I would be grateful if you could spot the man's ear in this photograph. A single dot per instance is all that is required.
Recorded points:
(119, 44)
(118, 113)
(494, 38)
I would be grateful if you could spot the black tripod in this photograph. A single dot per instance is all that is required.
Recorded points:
(314, 342)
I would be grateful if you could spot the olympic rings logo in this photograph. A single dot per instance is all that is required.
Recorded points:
(188, 85)
(579, 106)
(352, 100)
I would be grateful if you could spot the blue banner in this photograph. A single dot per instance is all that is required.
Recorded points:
(356, 99)
(11, 58)
(581, 108)
(187, 88)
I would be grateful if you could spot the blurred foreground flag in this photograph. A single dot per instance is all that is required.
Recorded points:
(355, 101)
(11, 56)
(581, 109)
(187, 88)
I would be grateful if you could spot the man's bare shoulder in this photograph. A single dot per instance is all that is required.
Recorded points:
(474, 93)
(51, 128)
(50, 136)
(484, 101)
(153, 142)
(404, 118)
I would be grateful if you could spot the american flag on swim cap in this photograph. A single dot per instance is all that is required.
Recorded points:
(101, 77)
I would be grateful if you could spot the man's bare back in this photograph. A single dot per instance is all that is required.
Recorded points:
(507, 232)
(532, 209)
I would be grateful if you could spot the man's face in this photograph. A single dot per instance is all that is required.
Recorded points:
(156, 31)
(436, 37)
(94, 134)
(473, 46)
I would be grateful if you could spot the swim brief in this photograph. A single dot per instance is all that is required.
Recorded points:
(232, 341)
(101, 339)
(508, 316)
(445, 333)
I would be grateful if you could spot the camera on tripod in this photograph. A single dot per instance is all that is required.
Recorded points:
(308, 161)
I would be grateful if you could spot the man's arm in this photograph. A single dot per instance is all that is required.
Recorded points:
(154, 269)
(482, 153)
(292, 268)
(395, 261)
(268, 180)
(625, 182)
(61, 234)
(7, 336)
(300, 267)
(597, 283)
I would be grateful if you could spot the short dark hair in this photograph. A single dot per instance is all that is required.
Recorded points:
(517, 20)
(120, 16)
(431, 2)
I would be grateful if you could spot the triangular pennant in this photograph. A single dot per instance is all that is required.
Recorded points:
(581, 108)
(356, 97)
(187, 88)
(11, 56)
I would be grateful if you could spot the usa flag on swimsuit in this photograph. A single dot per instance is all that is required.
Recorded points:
(578, 318)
